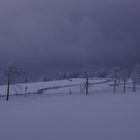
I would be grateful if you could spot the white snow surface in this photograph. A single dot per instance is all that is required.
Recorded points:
(98, 116)
(34, 87)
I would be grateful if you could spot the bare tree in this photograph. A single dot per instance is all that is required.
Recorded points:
(87, 85)
(137, 73)
(70, 91)
(115, 76)
(11, 73)
(124, 76)
(26, 81)
(134, 80)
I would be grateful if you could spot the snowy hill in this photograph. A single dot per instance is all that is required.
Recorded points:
(51, 86)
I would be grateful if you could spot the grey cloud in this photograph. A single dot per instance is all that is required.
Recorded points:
(46, 33)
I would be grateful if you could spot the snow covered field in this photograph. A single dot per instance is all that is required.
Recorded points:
(98, 116)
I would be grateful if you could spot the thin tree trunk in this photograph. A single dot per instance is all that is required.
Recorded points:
(26, 91)
(26, 88)
(70, 91)
(124, 86)
(87, 85)
(134, 87)
(8, 90)
(115, 84)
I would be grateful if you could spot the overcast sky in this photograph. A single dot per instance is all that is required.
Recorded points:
(51, 35)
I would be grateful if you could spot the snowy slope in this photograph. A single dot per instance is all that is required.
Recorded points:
(34, 87)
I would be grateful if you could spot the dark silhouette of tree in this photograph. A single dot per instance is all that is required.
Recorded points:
(115, 76)
(11, 73)
(134, 80)
(137, 73)
(87, 85)
(124, 76)
(26, 81)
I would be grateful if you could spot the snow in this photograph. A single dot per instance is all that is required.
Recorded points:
(98, 116)
(34, 87)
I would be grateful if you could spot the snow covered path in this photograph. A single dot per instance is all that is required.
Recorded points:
(96, 117)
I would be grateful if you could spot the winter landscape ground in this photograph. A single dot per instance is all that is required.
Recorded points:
(58, 115)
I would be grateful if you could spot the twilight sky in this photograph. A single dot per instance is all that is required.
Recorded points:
(54, 35)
